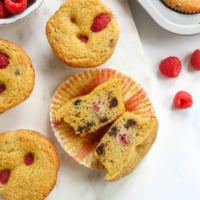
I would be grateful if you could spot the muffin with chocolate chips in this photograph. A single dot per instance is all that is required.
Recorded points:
(99, 113)
(125, 144)
(88, 113)
(16, 75)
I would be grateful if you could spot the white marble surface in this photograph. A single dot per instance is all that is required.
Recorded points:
(177, 148)
(74, 181)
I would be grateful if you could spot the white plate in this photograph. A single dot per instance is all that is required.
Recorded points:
(14, 18)
(183, 24)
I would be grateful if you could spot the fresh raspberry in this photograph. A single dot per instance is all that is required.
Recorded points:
(195, 59)
(16, 6)
(182, 100)
(28, 160)
(100, 22)
(2, 88)
(4, 176)
(170, 67)
(4, 60)
(3, 11)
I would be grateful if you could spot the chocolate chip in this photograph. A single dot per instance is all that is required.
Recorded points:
(80, 129)
(77, 102)
(129, 123)
(103, 120)
(86, 127)
(100, 149)
(113, 102)
(89, 125)
(113, 131)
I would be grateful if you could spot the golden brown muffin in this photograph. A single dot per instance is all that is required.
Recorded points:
(125, 144)
(16, 75)
(83, 33)
(28, 166)
(90, 112)
(184, 6)
(82, 149)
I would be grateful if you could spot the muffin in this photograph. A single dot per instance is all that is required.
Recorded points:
(16, 75)
(83, 33)
(82, 149)
(28, 166)
(124, 144)
(86, 113)
(183, 6)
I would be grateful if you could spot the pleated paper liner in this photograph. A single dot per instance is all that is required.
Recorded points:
(82, 148)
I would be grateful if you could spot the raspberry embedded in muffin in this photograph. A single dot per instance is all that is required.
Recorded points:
(83, 33)
(16, 75)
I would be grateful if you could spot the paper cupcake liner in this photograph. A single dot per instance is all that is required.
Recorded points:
(82, 149)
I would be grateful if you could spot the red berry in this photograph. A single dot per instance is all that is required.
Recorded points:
(123, 139)
(195, 59)
(16, 6)
(3, 11)
(95, 107)
(2, 88)
(83, 38)
(4, 60)
(4, 176)
(28, 160)
(170, 67)
(182, 100)
(100, 22)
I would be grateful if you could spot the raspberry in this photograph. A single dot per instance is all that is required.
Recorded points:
(28, 160)
(4, 60)
(195, 59)
(16, 6)
(100, 22)
(170, 67)
(4, 176)
(123, 139)
(2, 88)
(182, 100)
(83, 38)
(3, 11)
(95, 107)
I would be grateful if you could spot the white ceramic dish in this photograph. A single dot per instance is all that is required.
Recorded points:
(14, 18)
(170, 20)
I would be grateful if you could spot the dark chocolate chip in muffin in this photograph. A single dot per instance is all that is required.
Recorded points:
(103, 120)
(113, 131)
(100, 149)
(113, 102)
(129, 123)
(77, 102)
